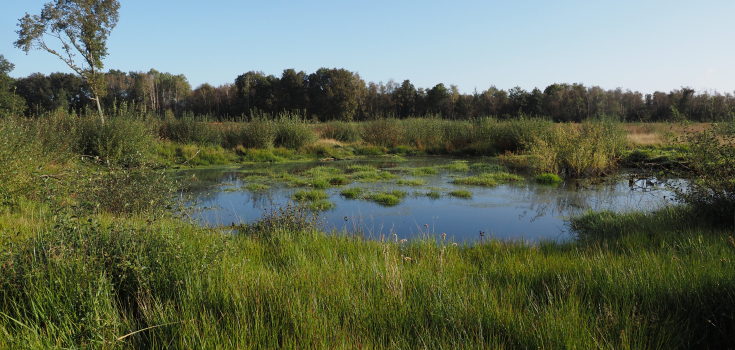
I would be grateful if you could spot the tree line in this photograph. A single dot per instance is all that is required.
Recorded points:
(339, 94)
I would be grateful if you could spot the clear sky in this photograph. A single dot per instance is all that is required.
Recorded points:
(643, 45)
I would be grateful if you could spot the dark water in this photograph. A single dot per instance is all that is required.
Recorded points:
(523, 210)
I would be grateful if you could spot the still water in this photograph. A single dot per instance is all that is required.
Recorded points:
(519, 210)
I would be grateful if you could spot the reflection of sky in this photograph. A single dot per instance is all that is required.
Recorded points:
(525, 211)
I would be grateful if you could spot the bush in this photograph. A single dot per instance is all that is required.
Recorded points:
(259, 133)
(125, 191)
(710, 171)
(119, 141)
(292, 132)
(190, 130)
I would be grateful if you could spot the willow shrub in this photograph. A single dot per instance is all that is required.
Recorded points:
(384, 132)
(190, 130)
(710, 171)
(293, 132)
(121, 141)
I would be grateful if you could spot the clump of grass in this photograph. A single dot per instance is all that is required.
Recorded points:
(476, 180)
(423, 171)
(456, 166)
(360, 168)
(434, 194)
(309, 195)
(353, 192)
(320, 183)
(488, 179)
(548, 179)
(373, 175)
(412, 182)
(461, 194)
(387, 198)
(321, 205)
(338, 180)
(254, 186)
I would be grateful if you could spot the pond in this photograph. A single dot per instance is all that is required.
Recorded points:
(429, 194)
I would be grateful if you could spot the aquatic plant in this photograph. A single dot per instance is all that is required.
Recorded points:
(461, 194)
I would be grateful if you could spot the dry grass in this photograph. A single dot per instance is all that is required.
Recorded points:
(659, 134)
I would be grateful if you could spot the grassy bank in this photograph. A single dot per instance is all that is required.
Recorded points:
(660, 280)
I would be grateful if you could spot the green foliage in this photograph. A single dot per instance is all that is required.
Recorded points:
(352, 192)
(310, 195)
(293, 132)
(124, 191)
(20, 155)
(461, 194)
(254, 186)
(190, 130)
(412, 182)
(548, 179)
(82, 28)
(386, 198)
(710, 171)
(487, 179)
(259, 133)
(120, 141)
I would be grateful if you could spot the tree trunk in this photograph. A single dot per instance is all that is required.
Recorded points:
(99, 108)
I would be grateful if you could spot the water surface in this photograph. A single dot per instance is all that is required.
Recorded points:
(520, 210)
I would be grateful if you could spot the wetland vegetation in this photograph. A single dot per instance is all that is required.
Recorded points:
(97, 253)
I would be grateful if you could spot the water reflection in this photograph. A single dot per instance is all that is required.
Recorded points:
(527, 211)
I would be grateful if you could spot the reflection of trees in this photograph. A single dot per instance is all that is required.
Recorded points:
(583, 195)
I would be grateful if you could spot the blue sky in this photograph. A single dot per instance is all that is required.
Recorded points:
(638, 45)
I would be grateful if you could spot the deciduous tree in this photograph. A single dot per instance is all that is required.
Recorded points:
(81, 27)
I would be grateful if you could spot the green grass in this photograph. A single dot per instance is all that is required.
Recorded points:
(309, 195)
(456, 166)
(254, 186)
(321, 205)
(634, 281)
(548, 179)
(423, 171)
(461, 194)
(488, 179)
(372, 176)
(387, 198)
(352, 193)
(411, 182)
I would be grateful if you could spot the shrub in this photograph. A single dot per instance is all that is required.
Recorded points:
(710, 171)
(190, 130)
(125, 191)
(259, 133)
(119, 141)
(292, 132)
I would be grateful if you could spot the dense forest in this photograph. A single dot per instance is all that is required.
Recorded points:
(339, 94)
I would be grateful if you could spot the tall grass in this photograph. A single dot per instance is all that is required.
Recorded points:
(635, 281)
